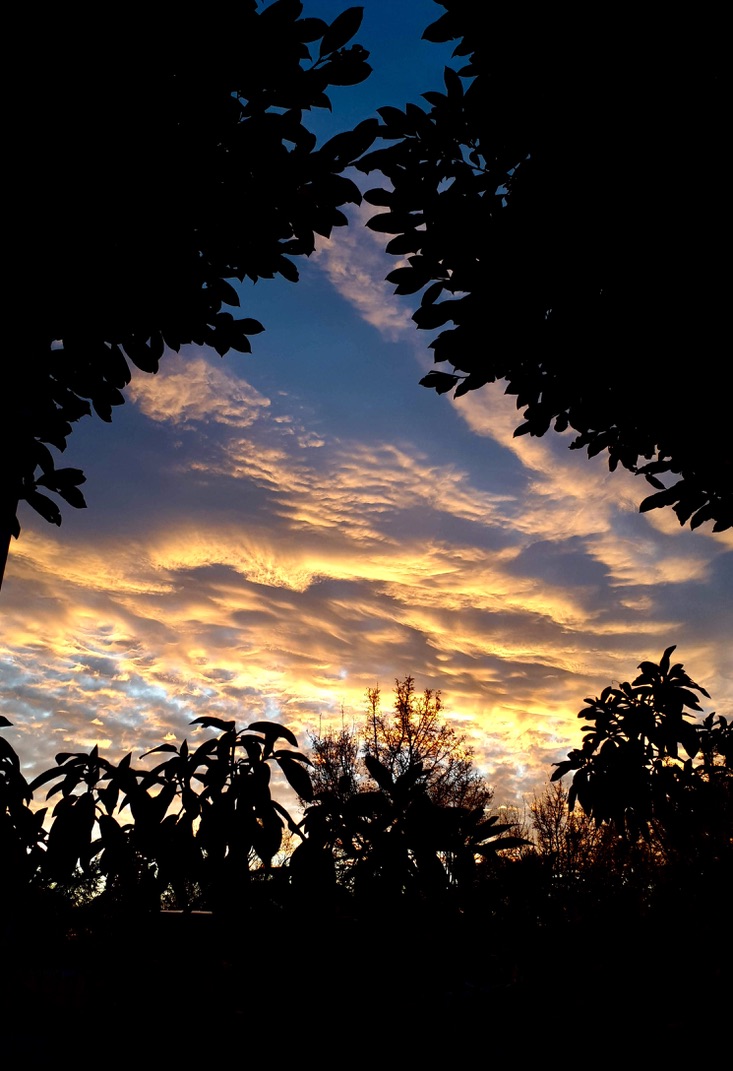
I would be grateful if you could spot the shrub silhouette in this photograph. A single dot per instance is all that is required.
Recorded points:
(646, 768)
(192, 830)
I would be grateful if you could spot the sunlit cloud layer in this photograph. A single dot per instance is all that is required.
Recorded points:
(293, 568)
(350, 571)
(193, 390)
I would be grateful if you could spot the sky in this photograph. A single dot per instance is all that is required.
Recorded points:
(268, 536)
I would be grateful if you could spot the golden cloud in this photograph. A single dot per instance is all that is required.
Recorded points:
(355, 263)
(190, 389)
(355, 562)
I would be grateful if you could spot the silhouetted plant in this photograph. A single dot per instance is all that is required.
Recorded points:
(21, 829)
(636, 768)
(414, 731)
(569, 840)
(559, 270)
(200, 820)
(399, 808)
(396, 840)
(203, 172)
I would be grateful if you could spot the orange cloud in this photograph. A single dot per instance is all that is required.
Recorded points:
(339, 563)
(189, 389)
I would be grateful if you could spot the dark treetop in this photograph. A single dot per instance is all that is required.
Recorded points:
(151, 167)
(560, 207)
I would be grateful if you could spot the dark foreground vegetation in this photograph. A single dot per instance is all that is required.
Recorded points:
(180, 898)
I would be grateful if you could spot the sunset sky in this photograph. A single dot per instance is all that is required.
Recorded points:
(268, 536)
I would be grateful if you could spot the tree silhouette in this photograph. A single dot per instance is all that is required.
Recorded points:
(569, 839)
(546, 213)
(149, 174)
(647, 769)
(399, 808)
(415, 731)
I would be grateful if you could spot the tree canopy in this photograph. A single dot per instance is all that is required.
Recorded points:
(648, 769)
(149, 175)
(558, 204)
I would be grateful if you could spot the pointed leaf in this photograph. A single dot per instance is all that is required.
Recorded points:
(341, 30)
(160, 747)
(297, 777)
(272, 730)
(214, 723)
(379, 772)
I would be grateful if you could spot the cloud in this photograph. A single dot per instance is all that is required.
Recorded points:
(189, 389)
(298, 611)
(638, 561)
(316, 566)
(356, 265)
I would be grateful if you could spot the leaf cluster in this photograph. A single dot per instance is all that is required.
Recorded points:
(150, 176)
(546, 231)
(190, 829)
(394, 840)
(646, 768)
